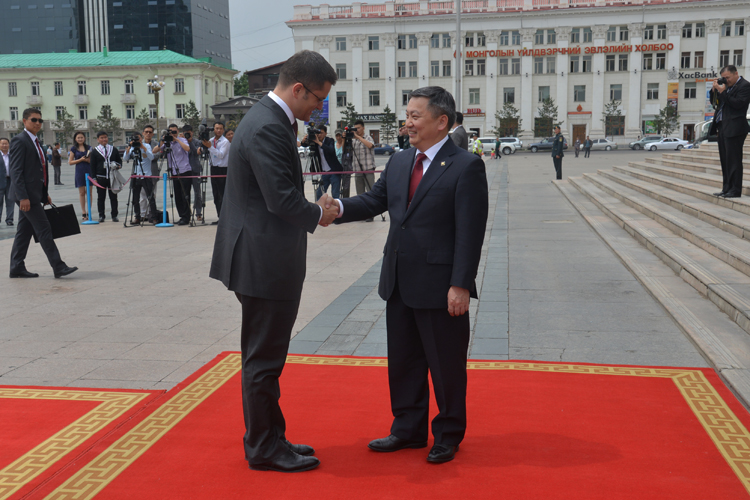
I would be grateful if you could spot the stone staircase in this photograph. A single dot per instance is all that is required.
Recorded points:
(690, 249)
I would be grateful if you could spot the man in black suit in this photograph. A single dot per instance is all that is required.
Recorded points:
(261, 247)
(437, 198)
(730, 122)
(329, 163)
(459, 136)
(29, 177)
(104, 159)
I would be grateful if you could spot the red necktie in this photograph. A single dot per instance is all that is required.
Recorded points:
(214, 142)
(295, 128)
(416, 175)
(41, 157)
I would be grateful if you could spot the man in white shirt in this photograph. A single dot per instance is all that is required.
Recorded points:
(5, 181)
(218, 147)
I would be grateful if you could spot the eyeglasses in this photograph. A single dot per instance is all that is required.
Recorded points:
(173, 132)
(313, 93)
(36, 120)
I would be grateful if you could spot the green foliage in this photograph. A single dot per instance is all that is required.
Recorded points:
(349, 115)
(667, 121)
(241, 85)
(507, 121)
(192, 116)
(547, 120)
(142, 120)
(107, 122)
(388, 128)
(235, 120)
(66, 128)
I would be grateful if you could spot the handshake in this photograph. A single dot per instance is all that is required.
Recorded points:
(330, 209)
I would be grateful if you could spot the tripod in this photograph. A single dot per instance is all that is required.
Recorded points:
(313, 165)
(173, 172)
(137, 160)
(205, 171)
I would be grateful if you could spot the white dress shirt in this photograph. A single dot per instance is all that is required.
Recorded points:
(145, 167)
(6, 160)
(219, 150)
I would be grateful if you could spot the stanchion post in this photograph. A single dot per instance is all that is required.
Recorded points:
(88, 202)
(164, 222)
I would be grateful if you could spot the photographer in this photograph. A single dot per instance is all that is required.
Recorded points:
(197, 169)
(731, 92)
(103, 160)
(329, 163)
(142, 155)
(178, 159)
(364, 158)
(219, 149)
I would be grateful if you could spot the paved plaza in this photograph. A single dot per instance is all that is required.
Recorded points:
(141, 312)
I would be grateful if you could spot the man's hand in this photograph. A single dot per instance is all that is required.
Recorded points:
(458, 301)
(720, 88)
(49, 201)
(558, 156)
(206, 143)
(330, 209)
(25, 205)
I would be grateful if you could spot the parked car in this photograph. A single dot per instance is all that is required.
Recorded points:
(603, 145)
(383, 149)
(518, 143)
(545, 144)
(488, 145)
(641, 143)
(395, 147)
(302, 151)
(667, 143)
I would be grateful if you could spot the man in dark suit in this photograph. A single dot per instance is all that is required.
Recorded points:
(730, 122)
(29, 177)
(436, 196)
(459, 136)
(329, 163)
(261, 246)
(557, 152)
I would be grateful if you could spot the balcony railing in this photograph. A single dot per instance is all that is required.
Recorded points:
(34, 100)
(81, 99)
(128, 98)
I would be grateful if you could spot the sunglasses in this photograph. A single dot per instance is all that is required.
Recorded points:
(36, 120)
(173, 132)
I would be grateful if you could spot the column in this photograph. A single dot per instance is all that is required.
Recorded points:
(562, 84)
(308, 44)
(357, 41)
(389, 39)
(746, 53)
(423, 58)
(324, 43)
(713, 29)
(598, 92)
(198, 84)
(491, 38)
(633, 110)
(527, 89)
(674, 35)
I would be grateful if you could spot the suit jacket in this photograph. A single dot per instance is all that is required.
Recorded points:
(329, 150)
(27, 180)
(460, 138)
(4, 173)
(98, 165)
(436, 241)
(261, 241)
(734, 114)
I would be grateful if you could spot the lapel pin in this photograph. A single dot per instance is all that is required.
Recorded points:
(442, 164)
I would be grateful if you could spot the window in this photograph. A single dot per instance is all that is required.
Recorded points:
(685, 60)
(405, 97)
(13, 113)
(412, 41)
(515, 38)
(575, 64)
(539, 37)
(588, 35)
(481, 40)
(59, 112)
(180, 111)
(473, 96)
(401, 69)
(341, 43)
(340, 99)
(698, 60)
(481, 65)
(687, 31)
(130, 111)
(615, 92)
(661, 32)
(652, 91)
(435, 41)
(579, 93)
(502, 66)
(586, 64)
(723, 58)
(737, 58)
(700, 30)
(648, 32)
(35, 88)
(543, 93)
(105, 87)
(58, 88)
(726, 28)
(152, 111)
(538, 65)
(614, 125)
(661, 60)
(623, 62)
(690, 90)
(469, 68)
(609, 64)
(12, 89)
(551, 64)
(401, 42)
(446, 41)
(341, 71)
(515, 66)
(81, 88)
(509, 95)
(373, 42)
(446, 68)
(551, 37)
(575, 35)
(648, 62)
(739, 28)
(503, 38)
(179, 85)
(434, 68)
(412, 69)
(469, 40)
(623, 33)
(375, 98)
(612, 34)
(374, 70)
(83, 112)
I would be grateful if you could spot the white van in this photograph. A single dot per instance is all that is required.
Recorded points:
(488, 144)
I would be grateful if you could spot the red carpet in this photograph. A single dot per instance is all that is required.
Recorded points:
(536, 430)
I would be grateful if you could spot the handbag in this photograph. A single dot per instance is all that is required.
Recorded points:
(63, 221)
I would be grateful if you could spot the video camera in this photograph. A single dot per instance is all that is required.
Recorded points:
(204, 133)
(167, 137)
(348, 133)
(135, 142)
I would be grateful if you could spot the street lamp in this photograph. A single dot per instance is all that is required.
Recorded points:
(156, 86)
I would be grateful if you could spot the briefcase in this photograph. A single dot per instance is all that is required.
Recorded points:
(63, 221)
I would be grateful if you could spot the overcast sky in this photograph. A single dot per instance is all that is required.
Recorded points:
(259, 35)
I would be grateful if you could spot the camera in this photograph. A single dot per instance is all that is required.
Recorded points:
(722, 81)
(203, 133)
(167, 137)
(348, 133)
(135, 142)
(312, 134)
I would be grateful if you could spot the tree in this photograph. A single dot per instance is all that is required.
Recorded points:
(614, 122)
(142, 120)
(547, 120)
(388, 128)
(508, 121)
(349, 115)
(235, 120)
(667, 121)
(66, 128)
(192, 116)
(241, 85)
(108, 123)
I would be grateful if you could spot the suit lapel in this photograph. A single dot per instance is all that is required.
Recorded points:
(438, 166)
(281, 116)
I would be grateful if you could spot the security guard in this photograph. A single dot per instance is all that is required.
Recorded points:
(557, 151)
(477, 148)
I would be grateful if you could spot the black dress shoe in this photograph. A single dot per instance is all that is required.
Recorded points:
(720, 194)
(393, 443)
(65, 271)
(288, 462)
(115, 219)
(301, 449)
(441, 453)
(101, 219)
(183, 222)
(730, 195)
(23, 273)
(214, 223)
(10, 222)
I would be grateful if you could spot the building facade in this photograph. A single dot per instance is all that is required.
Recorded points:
(196, 28)
(82, 83)
(643, 54)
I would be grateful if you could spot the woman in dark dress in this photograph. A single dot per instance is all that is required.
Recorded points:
(79, 156)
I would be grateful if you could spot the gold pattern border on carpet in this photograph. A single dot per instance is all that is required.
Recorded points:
(43, 456)
(729, 435)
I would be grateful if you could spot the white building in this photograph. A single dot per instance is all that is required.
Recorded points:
(582, 53)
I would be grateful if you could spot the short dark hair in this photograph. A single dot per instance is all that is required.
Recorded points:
(57, 144)
(440, 102)
(459, 118)
(729, 67)
(148, 126)
(359, 122)
(173, 125)
(101, 133)
(308, 68)
(30, 111)
(220, 123)
(323, 128)
(4, 139)
(187, 127)
(137, 134)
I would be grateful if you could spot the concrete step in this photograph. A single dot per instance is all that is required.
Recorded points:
(700, 191)
(714, 146)
(722, 342)
(679, 173)
(697, 157)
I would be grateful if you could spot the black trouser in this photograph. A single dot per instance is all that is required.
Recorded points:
(422, 340)
(217, 186)
(730, 153)
(266, 331)
(29, 223)
(102, 194)
(58, 169)
(346, 180)
(147, 186)
(558, 167)
(587, 152)
(198, 195)
(182, 194)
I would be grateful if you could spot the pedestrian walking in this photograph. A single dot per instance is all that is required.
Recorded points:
(57, 164)
(577, 146)
(587, 147)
